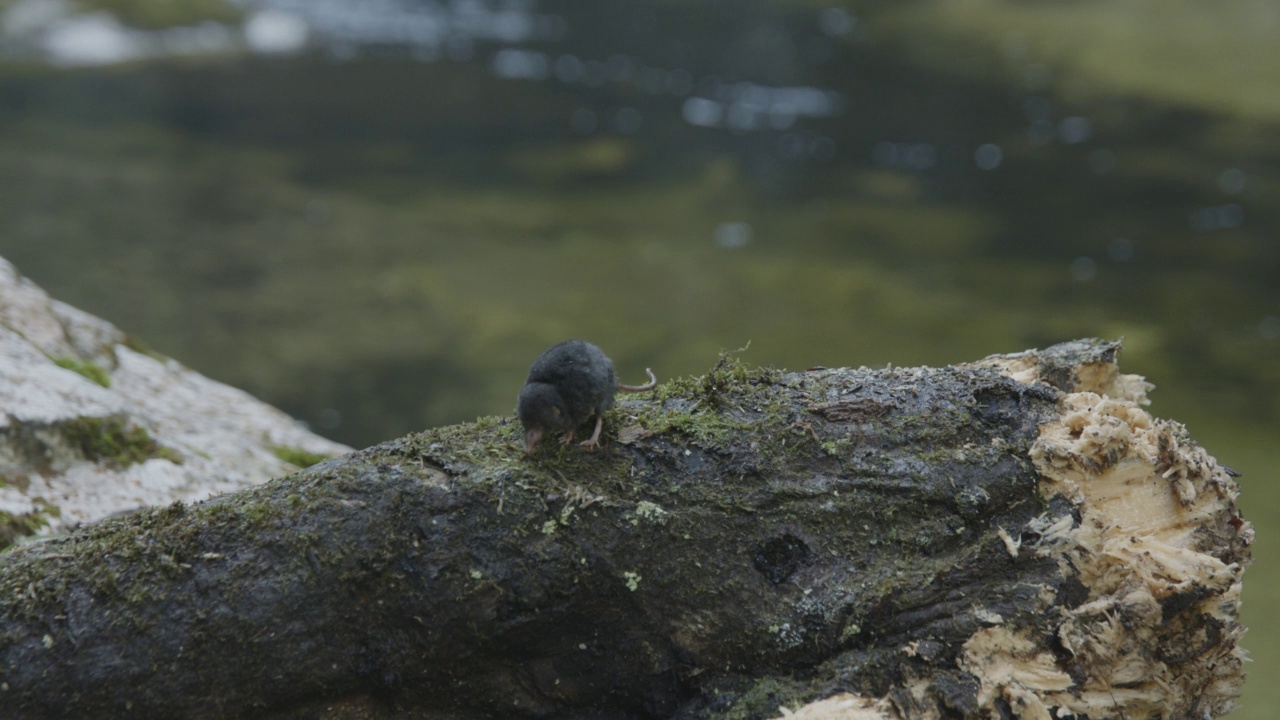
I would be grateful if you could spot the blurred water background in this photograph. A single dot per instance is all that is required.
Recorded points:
(375, 214)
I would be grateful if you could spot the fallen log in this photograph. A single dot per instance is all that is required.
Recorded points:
(1010, 538)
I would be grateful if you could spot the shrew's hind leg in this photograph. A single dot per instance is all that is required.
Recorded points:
(594, 441)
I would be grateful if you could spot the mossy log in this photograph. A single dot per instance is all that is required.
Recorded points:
(1009, 538)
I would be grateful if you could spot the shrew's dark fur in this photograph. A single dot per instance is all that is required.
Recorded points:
(568, 384)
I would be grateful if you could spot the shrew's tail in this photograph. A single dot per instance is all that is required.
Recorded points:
(653, 382)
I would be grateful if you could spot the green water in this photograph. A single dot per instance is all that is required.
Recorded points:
(380, 244)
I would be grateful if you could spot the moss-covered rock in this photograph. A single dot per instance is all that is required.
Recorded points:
(13, 526)
(114, 442)
(91, 370)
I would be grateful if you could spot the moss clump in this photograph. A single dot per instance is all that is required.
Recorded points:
(732, 400)
(763, 698)
(728, 376)
(91, 370)
(837, 448)
(13, 526)
(297, 456)
(112, 442)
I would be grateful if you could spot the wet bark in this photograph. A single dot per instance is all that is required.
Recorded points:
(762, 539)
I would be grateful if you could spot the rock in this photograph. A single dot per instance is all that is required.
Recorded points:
(92, 424)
